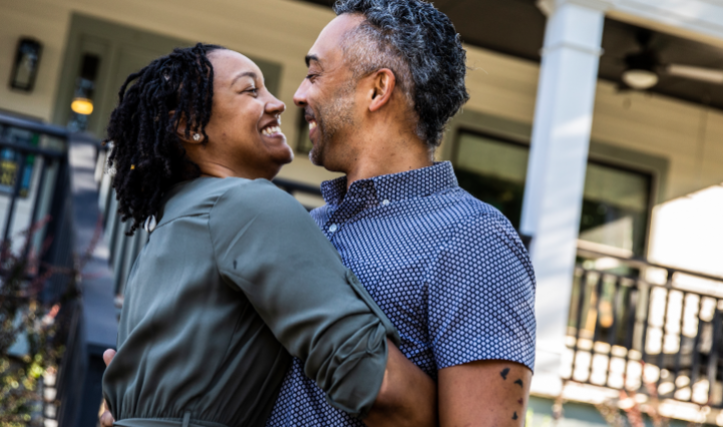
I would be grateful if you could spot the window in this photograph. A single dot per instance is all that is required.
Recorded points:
(616, 201)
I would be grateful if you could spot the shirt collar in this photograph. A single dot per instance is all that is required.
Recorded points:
(394, 187)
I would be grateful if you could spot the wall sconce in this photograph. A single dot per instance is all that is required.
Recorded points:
(27, 62)
(85, 86)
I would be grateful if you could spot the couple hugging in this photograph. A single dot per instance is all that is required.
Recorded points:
(403, 301)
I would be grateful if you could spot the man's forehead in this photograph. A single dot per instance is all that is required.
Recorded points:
(328, 43)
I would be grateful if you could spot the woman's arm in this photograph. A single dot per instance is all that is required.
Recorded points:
(407, 397)
(267, 246)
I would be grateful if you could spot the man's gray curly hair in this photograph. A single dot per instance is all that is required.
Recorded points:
(420, 45)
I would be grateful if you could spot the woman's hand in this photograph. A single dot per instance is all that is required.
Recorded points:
(106, 419)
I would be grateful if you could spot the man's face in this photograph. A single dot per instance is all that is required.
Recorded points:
(327, 95)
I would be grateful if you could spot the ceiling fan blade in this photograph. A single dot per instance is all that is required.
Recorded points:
(696, 73)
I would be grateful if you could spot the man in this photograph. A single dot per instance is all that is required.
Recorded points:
(384, 78)
(449, 271)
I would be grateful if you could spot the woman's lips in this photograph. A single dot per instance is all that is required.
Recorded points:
(272, 131)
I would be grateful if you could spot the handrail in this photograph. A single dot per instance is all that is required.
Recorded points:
(51, 130)
(29, 149)
(643, 263)
(293, 186)
(47, 129)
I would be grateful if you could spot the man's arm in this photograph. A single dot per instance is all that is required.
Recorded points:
(484, 393)
(481, 318)
(408, 396)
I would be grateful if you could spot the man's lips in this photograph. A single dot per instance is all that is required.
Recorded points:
(312, 126)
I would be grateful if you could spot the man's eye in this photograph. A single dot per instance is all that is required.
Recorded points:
(311, 76)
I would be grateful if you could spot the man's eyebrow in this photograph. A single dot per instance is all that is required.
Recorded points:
(244, 74)
(310, 58)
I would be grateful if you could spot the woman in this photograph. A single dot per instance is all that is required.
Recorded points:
(235, 272)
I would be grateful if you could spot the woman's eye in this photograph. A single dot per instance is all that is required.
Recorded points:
(254, 91)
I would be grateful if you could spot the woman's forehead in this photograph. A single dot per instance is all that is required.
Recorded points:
(229, 64)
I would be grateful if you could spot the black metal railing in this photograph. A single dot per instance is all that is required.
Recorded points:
(296, 188)
(33, 196)
(634, 325)
(36, 192)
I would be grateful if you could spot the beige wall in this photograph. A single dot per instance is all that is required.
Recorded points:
(282, 30)
(277, 30)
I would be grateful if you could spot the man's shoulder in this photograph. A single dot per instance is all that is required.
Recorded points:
(464, 212)
(480, 228)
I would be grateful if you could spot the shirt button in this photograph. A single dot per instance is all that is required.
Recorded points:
(385, 202)
(333, 228)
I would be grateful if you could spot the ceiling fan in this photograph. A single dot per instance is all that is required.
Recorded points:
(643, 68)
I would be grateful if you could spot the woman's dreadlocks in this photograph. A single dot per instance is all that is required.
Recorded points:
(147, 155)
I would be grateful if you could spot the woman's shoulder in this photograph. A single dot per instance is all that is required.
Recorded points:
(225, 196)
(256, 197)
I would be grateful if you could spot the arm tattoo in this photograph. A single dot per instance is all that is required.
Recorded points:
(519, 383)
(514, 416)
(504, 373)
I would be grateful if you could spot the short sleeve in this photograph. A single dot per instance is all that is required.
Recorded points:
(482, 295)
(267, 246)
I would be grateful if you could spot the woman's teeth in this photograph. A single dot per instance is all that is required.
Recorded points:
(273, 130)
(312, 125)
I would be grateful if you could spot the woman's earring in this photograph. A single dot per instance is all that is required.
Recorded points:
(150, 224)
(196, 137)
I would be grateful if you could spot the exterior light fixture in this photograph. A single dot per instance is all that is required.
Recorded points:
(640, 73)
(85, 85)
(640, 79)
(25, 67)
(82, 106)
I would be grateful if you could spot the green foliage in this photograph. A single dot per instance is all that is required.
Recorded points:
(24, 319)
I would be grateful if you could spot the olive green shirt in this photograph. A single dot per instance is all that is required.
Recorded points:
(236, 276)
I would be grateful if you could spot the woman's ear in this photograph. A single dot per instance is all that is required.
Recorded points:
(383, 84)
(193, 138)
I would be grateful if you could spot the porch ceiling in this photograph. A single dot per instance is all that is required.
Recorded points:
(516, 27)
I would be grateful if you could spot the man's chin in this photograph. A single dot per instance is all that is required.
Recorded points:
(315, 158)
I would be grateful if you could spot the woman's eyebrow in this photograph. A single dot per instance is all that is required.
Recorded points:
(244, 74)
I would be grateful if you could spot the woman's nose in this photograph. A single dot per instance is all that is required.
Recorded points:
(275, 106)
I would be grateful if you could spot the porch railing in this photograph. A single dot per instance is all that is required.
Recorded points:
(638, 326)
(36, 192)
(33, 196)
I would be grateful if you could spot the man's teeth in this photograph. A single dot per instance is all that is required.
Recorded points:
(312, 125)
(273, 130)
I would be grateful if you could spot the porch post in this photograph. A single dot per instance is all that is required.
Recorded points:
(556, 169)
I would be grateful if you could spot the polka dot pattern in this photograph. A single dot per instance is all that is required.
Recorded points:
(448, 270)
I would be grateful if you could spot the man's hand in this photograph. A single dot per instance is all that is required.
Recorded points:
(484, 393)
(106, 419)
(408, 396)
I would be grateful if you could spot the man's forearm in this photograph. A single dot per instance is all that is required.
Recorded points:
(408, 396)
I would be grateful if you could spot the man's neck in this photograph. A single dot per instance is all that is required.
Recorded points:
(371, 166)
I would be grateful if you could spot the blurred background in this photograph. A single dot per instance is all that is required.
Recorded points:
(595, 126)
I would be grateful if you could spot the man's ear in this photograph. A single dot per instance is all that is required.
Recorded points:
(383, 84)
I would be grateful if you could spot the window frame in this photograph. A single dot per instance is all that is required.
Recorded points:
(653, 181)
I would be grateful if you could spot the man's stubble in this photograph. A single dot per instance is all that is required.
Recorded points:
(333, 118)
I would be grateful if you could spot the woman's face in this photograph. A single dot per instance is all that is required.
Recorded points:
(244, 134)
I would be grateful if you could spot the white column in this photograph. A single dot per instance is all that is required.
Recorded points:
(556, 169)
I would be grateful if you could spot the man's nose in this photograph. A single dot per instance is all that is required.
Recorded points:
(300, 95)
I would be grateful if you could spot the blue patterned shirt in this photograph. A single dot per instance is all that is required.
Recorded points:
(448, 270)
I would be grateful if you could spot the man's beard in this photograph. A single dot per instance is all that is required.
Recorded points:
(330, 119)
